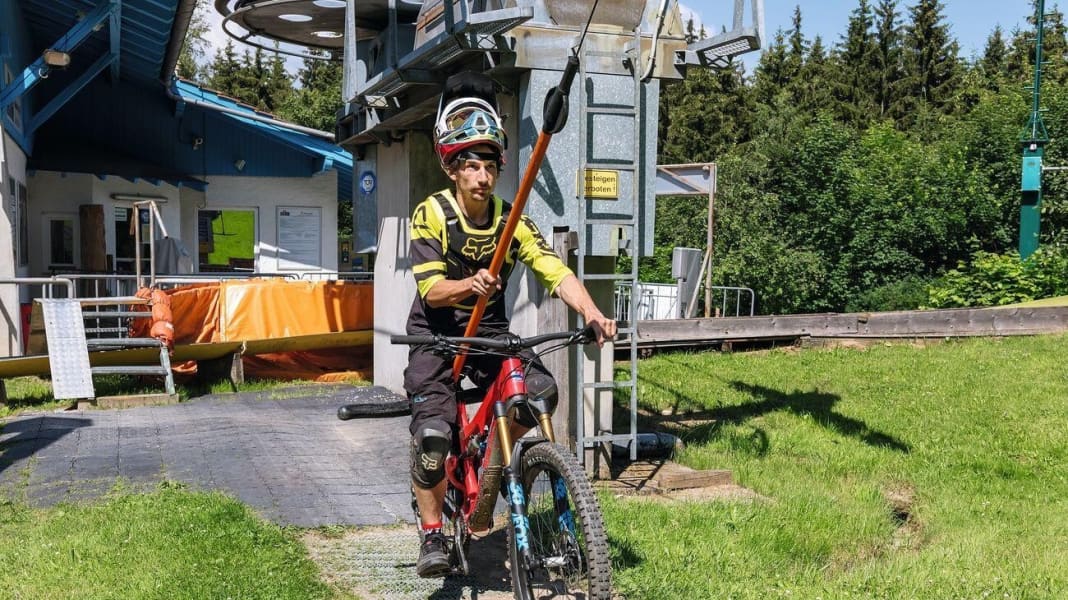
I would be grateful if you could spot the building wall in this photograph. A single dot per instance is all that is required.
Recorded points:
(15, 54)
(52, 193)
(12, 170)
(266, 195)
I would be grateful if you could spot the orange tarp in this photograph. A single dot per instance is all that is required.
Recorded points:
(268, 309)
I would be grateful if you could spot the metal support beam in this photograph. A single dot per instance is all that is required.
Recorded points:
(115, 32)
(38, 70)
(685, 180)
(71, 90)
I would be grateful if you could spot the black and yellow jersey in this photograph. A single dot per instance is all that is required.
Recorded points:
(444, 245)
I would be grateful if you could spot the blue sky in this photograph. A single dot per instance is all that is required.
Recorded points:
(970, 21)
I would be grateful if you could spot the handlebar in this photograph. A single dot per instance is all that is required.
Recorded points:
(510, 343)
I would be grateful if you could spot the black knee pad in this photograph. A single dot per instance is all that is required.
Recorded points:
(542, 391)
(430, 446)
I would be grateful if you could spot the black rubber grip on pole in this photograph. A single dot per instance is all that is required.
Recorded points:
(555, 111)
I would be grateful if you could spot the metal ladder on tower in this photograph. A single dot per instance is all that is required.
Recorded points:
(623, 223)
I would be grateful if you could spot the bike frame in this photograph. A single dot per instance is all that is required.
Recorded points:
(492, 418)
(486, 459)
(510, 384)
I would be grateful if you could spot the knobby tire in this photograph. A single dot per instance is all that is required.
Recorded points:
(578, 564)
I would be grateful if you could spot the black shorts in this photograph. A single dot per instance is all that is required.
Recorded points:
(432, 392)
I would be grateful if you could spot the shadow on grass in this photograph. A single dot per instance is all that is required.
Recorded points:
(623, 555)
(818, 405)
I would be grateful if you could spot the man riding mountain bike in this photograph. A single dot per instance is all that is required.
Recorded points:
(454, 234)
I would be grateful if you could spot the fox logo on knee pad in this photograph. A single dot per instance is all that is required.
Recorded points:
(429, 462)
(430, 446)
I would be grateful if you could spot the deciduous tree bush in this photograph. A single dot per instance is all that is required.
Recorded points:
(851, 177)
(1000, 279)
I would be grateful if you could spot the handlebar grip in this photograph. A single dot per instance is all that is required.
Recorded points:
(586, 335)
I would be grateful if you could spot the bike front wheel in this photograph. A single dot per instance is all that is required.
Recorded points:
(566, 534)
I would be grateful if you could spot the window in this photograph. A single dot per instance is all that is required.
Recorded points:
(61, 240)
(226, 240)
(125, 241)
(14, 110)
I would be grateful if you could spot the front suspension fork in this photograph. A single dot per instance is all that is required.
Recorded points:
(513, 487)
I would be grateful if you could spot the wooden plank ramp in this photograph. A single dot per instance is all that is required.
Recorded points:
(942, 323)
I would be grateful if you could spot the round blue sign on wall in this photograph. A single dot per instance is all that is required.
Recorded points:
(367, 182)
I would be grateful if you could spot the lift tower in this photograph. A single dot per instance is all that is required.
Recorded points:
(1034, 140)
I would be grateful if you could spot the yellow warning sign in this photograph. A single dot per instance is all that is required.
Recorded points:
(601, 183)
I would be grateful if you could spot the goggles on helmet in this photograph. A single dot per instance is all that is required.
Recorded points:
(464, 123)
(458, 112)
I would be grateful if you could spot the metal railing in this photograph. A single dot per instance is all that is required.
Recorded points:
(738, 294)
(48, 285)
(659, 301)
(102, 285)
(338, 276)
(110, 285)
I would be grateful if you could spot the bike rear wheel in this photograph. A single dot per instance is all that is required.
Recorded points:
(566, 537)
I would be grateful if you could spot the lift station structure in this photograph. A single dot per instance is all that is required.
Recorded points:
(594, 194)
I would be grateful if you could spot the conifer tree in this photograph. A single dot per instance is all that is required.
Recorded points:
(1054, 48)
(316, 102)
(224, 71)
(704, 115)
(772, 71)
(886, 57)
(853, 82)
(1021, 55)
(254, 79)
(995, 57)
(931, 67)
(194, 47)
(815, 95)
(795, 55)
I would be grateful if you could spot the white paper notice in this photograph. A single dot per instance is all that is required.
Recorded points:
(300, 233)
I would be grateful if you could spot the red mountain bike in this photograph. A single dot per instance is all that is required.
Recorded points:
(556, 540)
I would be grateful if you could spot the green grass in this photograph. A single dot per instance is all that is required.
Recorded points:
(896, 472)
(1058, 301)
(168, 544)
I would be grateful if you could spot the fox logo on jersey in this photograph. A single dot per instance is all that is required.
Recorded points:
(478, 248)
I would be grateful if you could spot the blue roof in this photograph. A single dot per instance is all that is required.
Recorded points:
(135, 131)
(332, 155)
(143, 39)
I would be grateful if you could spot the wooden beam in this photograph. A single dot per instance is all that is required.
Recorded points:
(960, 322)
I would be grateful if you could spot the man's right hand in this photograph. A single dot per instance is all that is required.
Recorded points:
(603, 327)
(484, 283)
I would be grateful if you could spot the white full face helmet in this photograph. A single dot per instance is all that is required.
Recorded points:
(466, 122)
(467, 116)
